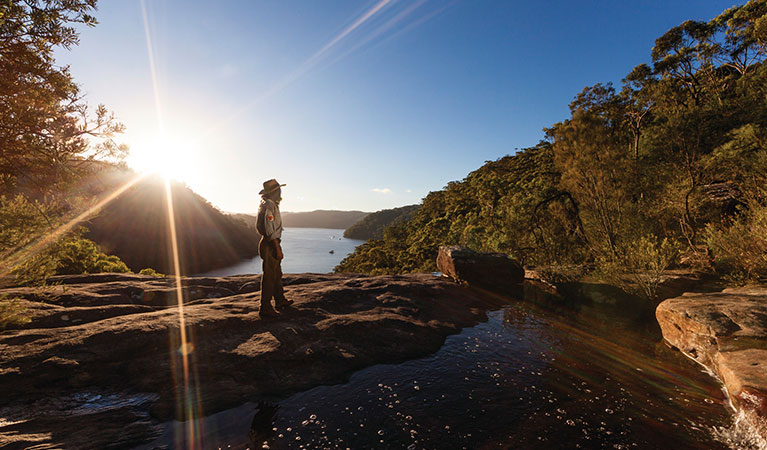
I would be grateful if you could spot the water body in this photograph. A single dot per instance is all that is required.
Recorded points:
(595, 376)
(305, 249)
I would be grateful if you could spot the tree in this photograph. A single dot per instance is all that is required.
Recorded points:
(627, 177)
(590, 152)
(745, 27)
(639, 102)
(684, 54)
(48, 136)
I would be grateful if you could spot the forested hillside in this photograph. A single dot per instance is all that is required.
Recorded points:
(372, 226)
(670, 167)
(135, 227)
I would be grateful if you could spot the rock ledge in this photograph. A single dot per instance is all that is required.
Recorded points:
(99, 368)
(726, 332)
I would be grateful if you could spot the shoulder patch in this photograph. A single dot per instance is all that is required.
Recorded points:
(270, 217)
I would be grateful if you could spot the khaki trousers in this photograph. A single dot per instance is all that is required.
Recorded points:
(271, 280)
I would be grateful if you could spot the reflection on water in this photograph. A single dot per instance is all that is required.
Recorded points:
(261, 427)
(307, 250)
(528, 378)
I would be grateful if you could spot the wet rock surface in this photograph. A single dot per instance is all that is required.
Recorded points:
(727, 333)
(106, 355)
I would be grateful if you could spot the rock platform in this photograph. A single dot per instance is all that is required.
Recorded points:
(101, 367)
(727, 333)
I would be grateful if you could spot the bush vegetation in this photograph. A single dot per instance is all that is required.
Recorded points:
(50, 139)
(372, 226)
(739, 244)
(23, 222)
(638, 266)
(151, 272)
(70, 255)
(12, 313)
(627, 182)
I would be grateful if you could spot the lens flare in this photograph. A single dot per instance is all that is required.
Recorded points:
(187, 404)
(188, 407)
(166, 155)
(11, 261)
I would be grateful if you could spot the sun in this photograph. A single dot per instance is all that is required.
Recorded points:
(171, 157)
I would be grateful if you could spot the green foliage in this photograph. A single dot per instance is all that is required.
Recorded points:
(151, 272)
(12, 313)
(48, 139)
(21, 221)
(24, 223)
(70, 255)
(373, 225)
(511, 205)
(630, 180)
(77, 255)
(561, 275)
(637, 266)
(743, 157)
(590, 153)
(746, 34)
(739, 245)
(49, 134)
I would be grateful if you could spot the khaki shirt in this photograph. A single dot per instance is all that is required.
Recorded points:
(272, 219)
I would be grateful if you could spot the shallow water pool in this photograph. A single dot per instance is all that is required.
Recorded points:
(595, 376)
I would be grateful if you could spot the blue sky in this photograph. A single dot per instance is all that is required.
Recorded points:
(354, 104)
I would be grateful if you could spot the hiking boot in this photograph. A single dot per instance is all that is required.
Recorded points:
(267, 311)
(282, 303)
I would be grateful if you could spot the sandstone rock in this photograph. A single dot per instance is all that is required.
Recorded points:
(106, 338)
(493, 271)
(676, 282)
(727, 333)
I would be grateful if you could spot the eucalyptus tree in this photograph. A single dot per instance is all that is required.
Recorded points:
(745, 42)
(48, 136)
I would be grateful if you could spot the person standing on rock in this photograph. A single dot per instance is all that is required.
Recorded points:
(269, 226)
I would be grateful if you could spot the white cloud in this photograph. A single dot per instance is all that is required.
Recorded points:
(382, 190)
(408, 190)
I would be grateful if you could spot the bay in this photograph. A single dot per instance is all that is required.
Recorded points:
(307, 250)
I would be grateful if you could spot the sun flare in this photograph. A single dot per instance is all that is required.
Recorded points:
(171, 157)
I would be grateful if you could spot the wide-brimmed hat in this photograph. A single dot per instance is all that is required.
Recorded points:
(270, 186)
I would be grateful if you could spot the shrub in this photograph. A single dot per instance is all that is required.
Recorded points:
(151, 272)
(77, 255)
(21, 221)
(637, 267)
(739, 245)
(561, 275)
(11, 312)
(71, 255)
